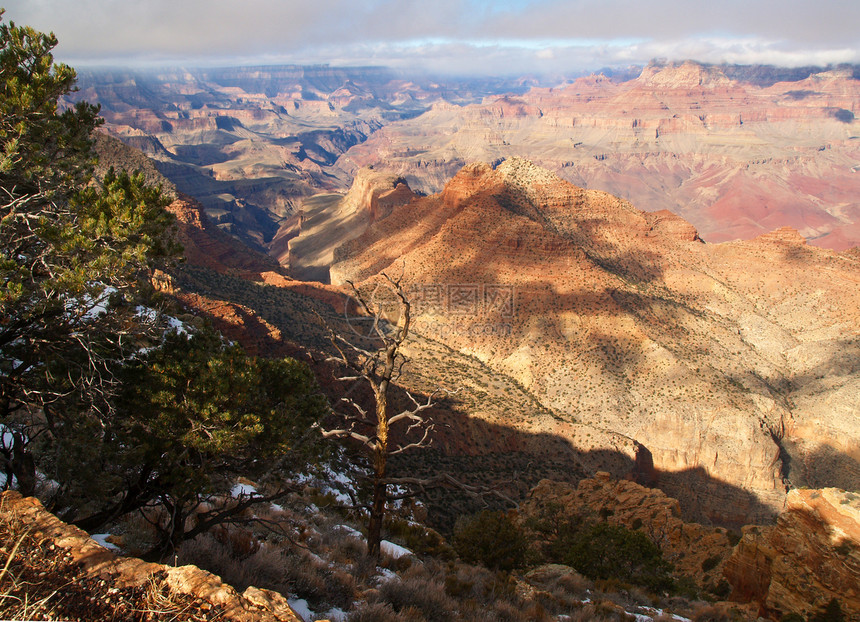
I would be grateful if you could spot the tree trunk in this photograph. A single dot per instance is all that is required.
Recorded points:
(377, 514)
(170, 536)
(380, 460)
(137, 496)
(23, 466)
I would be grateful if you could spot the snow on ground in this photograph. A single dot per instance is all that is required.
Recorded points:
(177, 325)
(15, 364)
(344, 483)
(349, 531)
(386, 575)
(97, 306)
(8, 438)
(101, 538)
(393, 550)
(656, 613)
(335, 478)
(240, 490)
(300, 606)
(335, 615)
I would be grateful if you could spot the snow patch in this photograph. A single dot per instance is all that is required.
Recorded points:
(654, 613)
(177, 325)
(242, 490)
(335, 615)
(97, 306)
(300, 606)
(385, 574)
(349, 531)
(393, 550)
(101, 538)
(8, 438)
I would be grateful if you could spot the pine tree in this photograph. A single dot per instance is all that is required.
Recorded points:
(191, 414)
(73, 255)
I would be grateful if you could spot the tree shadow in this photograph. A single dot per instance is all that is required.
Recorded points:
(512, 461)
(495, 450)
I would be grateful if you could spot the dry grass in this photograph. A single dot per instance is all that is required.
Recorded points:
(40, 581)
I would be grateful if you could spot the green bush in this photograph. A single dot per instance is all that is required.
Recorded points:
(490, 538)
(604, 551)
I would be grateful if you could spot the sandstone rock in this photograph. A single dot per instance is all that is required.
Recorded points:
(728, 379)
(809, 557)
(254, 606)
(697, 551)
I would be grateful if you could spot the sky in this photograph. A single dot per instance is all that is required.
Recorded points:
(464, 37)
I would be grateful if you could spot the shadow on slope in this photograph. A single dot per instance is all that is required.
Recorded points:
(492, 433)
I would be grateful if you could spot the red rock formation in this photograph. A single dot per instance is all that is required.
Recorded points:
(206, 245)
(811, 555)
(696, 551)
(254, 605)
(735, 159)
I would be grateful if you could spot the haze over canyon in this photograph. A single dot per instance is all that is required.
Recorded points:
(736, 151)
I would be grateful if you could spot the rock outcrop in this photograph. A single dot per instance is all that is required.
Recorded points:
(254, 605)
(696, 551)
(329, 221)
(810, 557)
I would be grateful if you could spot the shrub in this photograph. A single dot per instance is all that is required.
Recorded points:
(490, 538)
(604, 551)
(710, 563)
(831, 613)
(272, 569)
(711, 613)
(421, 593)
(375, 612)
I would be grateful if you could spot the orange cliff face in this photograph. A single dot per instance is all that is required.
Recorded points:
(811, 556)
(208, 247)
(733, 158)
(712, 357)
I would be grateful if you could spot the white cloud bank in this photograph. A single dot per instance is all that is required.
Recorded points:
(458, 36)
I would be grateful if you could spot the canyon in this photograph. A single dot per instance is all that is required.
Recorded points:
(578, 330)
(733, 363)
(584, 334)
(250, 143)
(736, 151)
(734, 157)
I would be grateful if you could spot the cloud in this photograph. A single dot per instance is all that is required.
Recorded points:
(477, 36)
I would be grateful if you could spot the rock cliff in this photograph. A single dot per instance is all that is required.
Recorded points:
(733, 157)
(695, 550)
(811, 556)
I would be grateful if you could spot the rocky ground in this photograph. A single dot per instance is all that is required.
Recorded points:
(56, 572)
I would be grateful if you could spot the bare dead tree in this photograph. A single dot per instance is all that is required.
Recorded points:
(379, 365)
